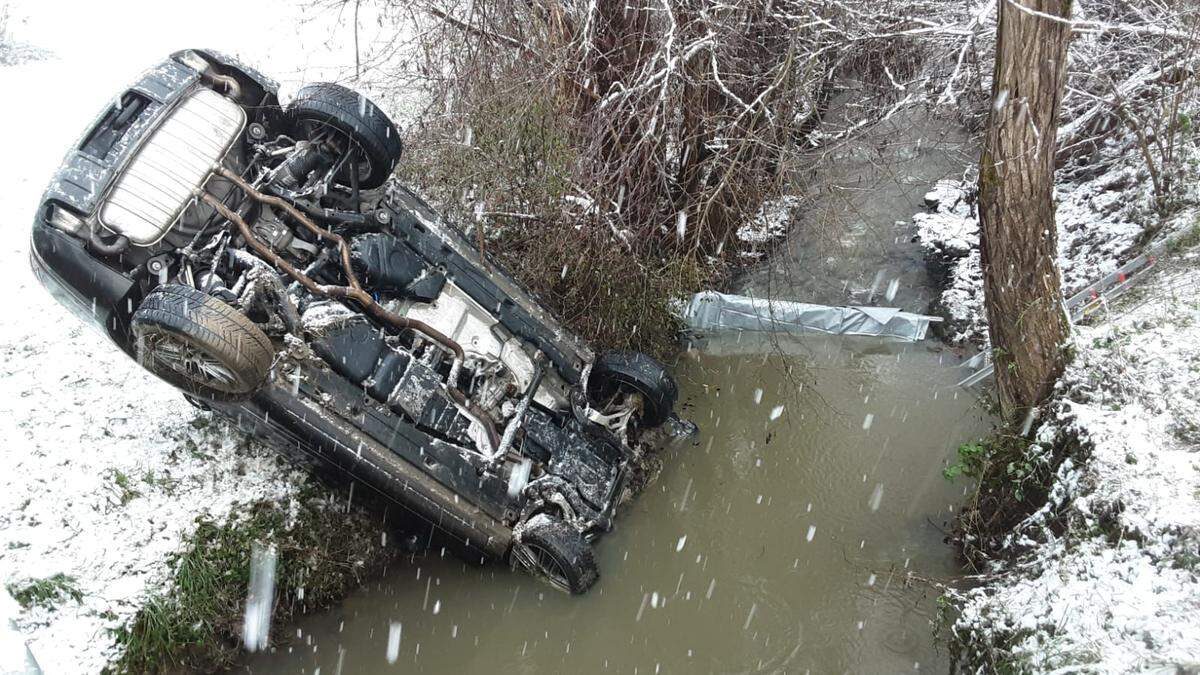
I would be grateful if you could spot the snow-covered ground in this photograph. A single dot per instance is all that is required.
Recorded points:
(949, 235)
(104, 468)
(1099, 218)
(1105, 577)
(769, 224)
(1119, 590)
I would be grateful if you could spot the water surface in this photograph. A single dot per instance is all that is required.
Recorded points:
(780, 539)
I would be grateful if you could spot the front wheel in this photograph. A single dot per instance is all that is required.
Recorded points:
(200, 344)
(557, 553)
(619, 373)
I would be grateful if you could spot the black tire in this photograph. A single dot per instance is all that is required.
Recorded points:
(634, 372)
(324, 104)
(557, 553)
(200, 344)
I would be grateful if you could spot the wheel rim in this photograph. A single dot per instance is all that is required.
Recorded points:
(619, 411)
(545, 564)
(316, 131)
(608, 396)
(193, 363)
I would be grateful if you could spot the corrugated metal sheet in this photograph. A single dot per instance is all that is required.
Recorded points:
(709, 311)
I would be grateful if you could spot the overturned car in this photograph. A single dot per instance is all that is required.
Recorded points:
(260, 259)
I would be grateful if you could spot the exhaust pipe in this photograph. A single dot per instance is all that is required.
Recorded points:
(353, 292)
(232, 89)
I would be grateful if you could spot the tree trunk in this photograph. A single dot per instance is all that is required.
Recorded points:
(1019, 241)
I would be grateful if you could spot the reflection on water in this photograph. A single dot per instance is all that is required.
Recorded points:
(777, 540)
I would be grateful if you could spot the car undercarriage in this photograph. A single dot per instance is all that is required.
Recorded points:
(261, 259)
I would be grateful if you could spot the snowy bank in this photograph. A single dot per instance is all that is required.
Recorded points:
(1106, 576)
(1103, 211)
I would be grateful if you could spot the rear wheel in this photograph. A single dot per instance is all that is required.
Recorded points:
(351, 121)
(557, 553)
(200, 344)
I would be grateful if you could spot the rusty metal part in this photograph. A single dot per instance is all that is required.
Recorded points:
(232, 89)
(352, 292)
(518, 418)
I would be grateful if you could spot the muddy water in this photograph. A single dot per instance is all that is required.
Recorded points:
(778, 540)
(854, 236)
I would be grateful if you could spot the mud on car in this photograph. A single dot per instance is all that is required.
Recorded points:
(261, 259)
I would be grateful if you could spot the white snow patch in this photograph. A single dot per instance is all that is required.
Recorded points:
(949, 235)
(772, 220)
(951, 227)
(1099, 221)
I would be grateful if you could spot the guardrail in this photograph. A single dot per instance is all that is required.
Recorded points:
(1092, 297)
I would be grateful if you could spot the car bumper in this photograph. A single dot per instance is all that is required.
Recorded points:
(94, 292)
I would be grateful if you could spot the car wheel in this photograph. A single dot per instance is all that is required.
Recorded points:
(200, 344)
(324, 106)
(557, 553)
(629, 372)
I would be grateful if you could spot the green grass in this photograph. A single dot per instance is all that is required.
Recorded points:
(124, 487)
(970, 459)
(195, 624)
(1012, 479)
(48, 592)
(997, 652)
(992, 655)
(1005, 462)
